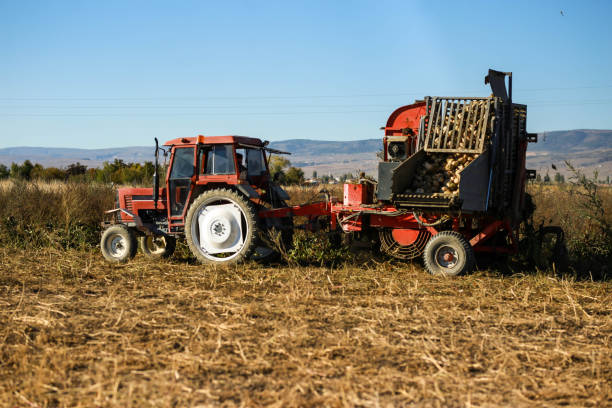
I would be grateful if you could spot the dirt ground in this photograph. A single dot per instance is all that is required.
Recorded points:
(77, 332)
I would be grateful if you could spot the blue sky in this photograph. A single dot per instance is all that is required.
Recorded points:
(118, 73)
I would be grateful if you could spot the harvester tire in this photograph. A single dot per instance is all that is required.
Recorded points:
(221, 226)
(157, 247)
(448, 253)
(118, 244)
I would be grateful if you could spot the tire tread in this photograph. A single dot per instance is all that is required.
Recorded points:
(458, 239)
(247, 207)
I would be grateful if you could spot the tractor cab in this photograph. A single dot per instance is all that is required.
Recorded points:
(205, 162)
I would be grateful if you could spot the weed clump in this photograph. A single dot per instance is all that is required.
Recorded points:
(309, 248)
(592, 245)
(582, 210)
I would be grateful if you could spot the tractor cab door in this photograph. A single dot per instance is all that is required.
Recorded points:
(252, 165)
(180, 182)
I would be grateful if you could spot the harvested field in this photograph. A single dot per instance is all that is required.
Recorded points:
(78, 332)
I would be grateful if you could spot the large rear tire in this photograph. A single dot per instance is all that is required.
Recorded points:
(118, 244)
(448, 253)
(228, 231)
(157, 247)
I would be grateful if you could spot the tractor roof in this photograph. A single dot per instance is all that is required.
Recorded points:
(214, 140)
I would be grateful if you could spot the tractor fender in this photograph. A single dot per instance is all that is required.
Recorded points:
(247, 190)
(279, 192)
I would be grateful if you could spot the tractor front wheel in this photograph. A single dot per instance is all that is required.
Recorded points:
(157, 247)
(221, 227)
(118, 244)
(448, 253)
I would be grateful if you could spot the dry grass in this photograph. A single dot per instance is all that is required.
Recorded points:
(78, 332)
(309, 194)
(560, 205)
(61, 215)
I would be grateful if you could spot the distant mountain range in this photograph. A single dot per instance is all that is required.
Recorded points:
(587, 149)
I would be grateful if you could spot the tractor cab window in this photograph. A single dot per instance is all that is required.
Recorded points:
(241, 160)
(220, 160)
(256, 163)
(180, 179)
(182, 166)
(251, 163)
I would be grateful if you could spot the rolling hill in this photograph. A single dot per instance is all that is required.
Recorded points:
(588, 149)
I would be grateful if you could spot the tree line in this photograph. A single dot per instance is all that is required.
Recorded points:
(117, 171)
(120, 172)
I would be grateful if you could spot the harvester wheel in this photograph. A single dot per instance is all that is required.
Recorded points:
(118, 244)
(221, 227)
(448, 253)
(157, 247)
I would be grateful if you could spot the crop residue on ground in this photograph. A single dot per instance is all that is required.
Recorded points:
(78, 332)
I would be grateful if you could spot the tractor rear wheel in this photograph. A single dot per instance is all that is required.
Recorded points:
(157, 247)
(448, 253)
(118, 244)
(221, 227)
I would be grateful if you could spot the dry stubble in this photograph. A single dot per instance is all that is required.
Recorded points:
(78, 332)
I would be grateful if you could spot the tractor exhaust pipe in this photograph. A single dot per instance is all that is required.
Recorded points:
(156, 175)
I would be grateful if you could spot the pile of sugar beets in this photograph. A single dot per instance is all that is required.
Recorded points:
(440, 173)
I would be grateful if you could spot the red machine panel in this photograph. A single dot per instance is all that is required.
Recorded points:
(355, 194)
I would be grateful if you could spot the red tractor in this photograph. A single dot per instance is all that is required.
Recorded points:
(214, 188)
(451, 183)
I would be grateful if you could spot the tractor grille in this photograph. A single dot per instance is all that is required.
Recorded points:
(128, 203)
(458, 125)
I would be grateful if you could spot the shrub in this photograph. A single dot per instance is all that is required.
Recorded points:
(582, 209)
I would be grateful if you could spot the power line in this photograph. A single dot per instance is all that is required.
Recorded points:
(186, 114)
(242, 112)
(189, 106)
(249, 97)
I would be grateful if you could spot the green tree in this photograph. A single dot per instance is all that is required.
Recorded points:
(76, 169)
(314, 174)
(294, 176)
(559, 178)
(345, 177)
(546, 178)
(538, 178)
(4, 171)
(37, 172)
(111, 172)
(277, 165)
(22, 172)
(53, 173)
(14, 172)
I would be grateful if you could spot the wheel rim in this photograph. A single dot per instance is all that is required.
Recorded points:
(117, 246)
(155, 245)
(446, 257)
(219, 230)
